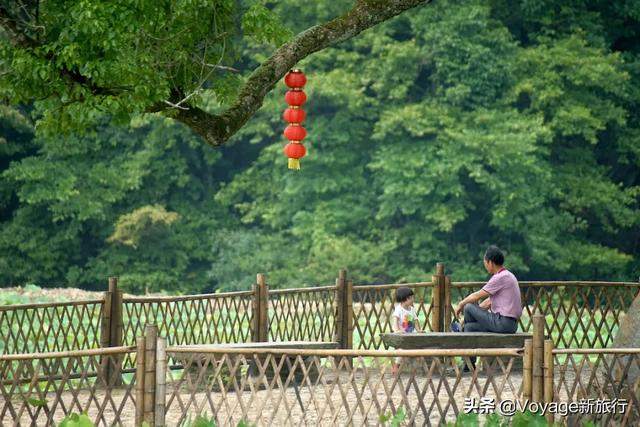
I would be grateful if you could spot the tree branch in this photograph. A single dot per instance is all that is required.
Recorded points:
(19, 37)
(217, 129)
(16, 35)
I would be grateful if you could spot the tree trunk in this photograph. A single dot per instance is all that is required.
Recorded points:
(628, 336)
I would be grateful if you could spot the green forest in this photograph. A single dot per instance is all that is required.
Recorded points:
(448, 128)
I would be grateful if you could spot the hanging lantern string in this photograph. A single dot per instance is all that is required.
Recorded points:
(294, 115)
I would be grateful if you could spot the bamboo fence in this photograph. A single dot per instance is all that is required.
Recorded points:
(312, 387)
(578, 314)
(592, 377)
(46, 327)
(42, 388)
(333, 387)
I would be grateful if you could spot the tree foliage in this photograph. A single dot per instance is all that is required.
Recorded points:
(77, 60)
(430, 136)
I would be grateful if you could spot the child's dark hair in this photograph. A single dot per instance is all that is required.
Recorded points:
(494, 254)
(403, 293)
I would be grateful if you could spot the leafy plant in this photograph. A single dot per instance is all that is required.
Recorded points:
(36, 402)
(201, 421)
(204, 421)
(394, 420)
(465, 420)
(527, 418)
(519, 419)
(77, 420)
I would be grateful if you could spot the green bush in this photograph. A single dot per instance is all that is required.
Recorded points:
(77, 420)
(204, 421)
(519, 419)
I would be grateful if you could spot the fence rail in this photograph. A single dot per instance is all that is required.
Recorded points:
(579, 314)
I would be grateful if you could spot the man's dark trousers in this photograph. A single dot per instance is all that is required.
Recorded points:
(478, 320)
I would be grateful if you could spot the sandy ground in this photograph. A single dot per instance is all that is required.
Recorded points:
(335, 398)
(355, 398)
(343, 400)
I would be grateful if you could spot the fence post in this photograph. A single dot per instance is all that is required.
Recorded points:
(344, 314)
(348, 315)
(341, 309)
(111, 326)
(537, 386)
(255, 308)
(105, 319)
(437, 297)
(161, 381)
(150, 337)
(115, 329)
(447, 316)
(260, 305)
(140, 355)
(526, 370)
(105, 334)
(548, 376)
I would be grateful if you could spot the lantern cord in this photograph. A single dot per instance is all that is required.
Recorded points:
(294, 164)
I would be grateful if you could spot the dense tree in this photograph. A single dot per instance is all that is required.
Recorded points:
(431, 136)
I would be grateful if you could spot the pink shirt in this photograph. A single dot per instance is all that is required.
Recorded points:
(505, 294)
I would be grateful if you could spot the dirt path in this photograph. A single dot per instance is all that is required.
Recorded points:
(344, 398)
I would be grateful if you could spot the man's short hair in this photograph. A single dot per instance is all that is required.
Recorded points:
(495, 255)
(403, 294)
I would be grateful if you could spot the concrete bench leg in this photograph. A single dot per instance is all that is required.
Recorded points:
(312, 371)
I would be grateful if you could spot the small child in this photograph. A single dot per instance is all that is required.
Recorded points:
(404, 319)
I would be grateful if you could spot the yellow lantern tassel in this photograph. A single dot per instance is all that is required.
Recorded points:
(294, 164)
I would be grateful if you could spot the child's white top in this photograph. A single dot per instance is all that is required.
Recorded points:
(407, 318)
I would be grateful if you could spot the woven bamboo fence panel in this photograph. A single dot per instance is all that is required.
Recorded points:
(193, 319)
(41, 389)
(373, 306)
(577, 314)
(47, 327)
(601, 377)
(305, 314)
(332, 387)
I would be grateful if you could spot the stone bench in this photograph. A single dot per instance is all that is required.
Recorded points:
(457, 340)
(211, 361)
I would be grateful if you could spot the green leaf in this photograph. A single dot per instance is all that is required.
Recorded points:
(37, 402)
(77, 420)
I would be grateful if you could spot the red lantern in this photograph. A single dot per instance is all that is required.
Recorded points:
(295, 133)
(295, 79)
(295, 97)
(294, 151)
(294, 115)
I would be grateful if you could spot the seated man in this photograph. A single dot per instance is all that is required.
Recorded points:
(502, 295)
